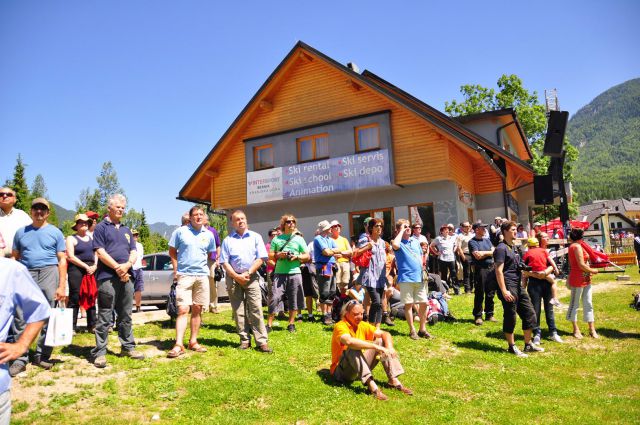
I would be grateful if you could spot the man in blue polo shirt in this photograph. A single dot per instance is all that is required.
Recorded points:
(325, 252)
(188, 248)
(18, 291)
(41, 249)
(116, 250)
(413, 290)
(242, 254)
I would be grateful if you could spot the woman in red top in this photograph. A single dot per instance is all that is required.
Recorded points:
(580, 283)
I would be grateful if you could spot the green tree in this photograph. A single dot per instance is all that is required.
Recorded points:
(132, 219)
(219, 222)
(19, 185)
(90, 201)
(108, 183)
(144, 227)
(39, 190)
(531, 115)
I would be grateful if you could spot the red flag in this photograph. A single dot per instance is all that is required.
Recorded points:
(88, 291)
(597, 259)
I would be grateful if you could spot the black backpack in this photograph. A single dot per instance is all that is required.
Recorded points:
(636, 301)
(172, 303)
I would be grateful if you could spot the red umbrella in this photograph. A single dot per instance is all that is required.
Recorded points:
(556, 224)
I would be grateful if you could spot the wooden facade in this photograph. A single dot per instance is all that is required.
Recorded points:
(309, 89)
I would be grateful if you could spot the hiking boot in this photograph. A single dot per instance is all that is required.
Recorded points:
(515, 350)
(379, 395)
(387, 320)
(556, 338)
(17, 368)
(532, 348)
(479, 321)
(327, 320)
(291, 328)
(311, 318)
(45, 364)
(264, 348)
(413, 335)
(100, 362)
(136, 355)
(490, 319)
(536, 339)
(244, 345)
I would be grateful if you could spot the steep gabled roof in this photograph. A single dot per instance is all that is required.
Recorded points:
(441, 121)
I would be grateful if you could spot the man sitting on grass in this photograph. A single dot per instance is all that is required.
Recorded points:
(356, 348)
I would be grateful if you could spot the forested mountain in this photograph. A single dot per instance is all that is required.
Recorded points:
(607, 134)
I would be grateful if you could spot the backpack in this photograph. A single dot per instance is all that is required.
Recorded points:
(336, 307)
(636, 301)
(172, 303)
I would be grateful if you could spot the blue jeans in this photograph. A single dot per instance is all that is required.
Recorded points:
(540, 290)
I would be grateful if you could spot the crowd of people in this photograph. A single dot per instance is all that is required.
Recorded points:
(98, 271)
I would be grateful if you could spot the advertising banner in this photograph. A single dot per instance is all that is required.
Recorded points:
(352, 172)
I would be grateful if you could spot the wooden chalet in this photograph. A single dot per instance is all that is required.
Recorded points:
(322, 141)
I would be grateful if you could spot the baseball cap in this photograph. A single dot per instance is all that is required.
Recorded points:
(476, 225)
(532, 242)
(40, 201)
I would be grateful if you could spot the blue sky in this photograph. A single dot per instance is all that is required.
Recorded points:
(151, 85)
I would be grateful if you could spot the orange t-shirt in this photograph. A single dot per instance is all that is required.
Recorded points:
(364, 332)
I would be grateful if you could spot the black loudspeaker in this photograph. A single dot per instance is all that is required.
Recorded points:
(543, 189)
(556, 127)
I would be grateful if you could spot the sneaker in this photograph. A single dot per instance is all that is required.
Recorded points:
(556, 338)
(424, 334)
(413, 335)
(264, 348)
(533, 348)
(515, 350)
(327, 320)
(311, 318)
(536, 339)
(490, 319)
(291, 328)
(100, 362)
(17, 368)
(244, 345)
(137, 355)
(269, 329)
(45, 364)
(554, 302)
(479, 321)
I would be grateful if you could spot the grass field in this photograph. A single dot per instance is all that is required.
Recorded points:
(462, 376)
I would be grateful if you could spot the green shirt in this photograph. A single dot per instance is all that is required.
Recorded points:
(297, 246)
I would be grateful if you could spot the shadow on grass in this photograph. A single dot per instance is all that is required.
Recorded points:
(227, 327)
(327, 379)
(478, 345)
(79, 351)
(616, 334)
(167, 344)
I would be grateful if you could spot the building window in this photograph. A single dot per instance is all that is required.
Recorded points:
(262, 157)
(356, 219)
(619, 225)
(423, 214)
(367, 137)
(596, 226)
(311, 148)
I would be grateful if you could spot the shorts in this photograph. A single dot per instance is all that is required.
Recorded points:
(413, 292)
(291, 284)
(138, 283)
(309, 283)
(192, 290)
(343, 274)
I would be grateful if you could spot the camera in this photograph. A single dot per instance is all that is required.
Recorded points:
(522, 267)
(290, 255)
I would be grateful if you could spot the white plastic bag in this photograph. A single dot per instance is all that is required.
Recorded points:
(60, 328)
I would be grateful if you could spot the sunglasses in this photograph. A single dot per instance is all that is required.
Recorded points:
(377, 225)
(40, 208)
(290, 221)
(6, 195)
